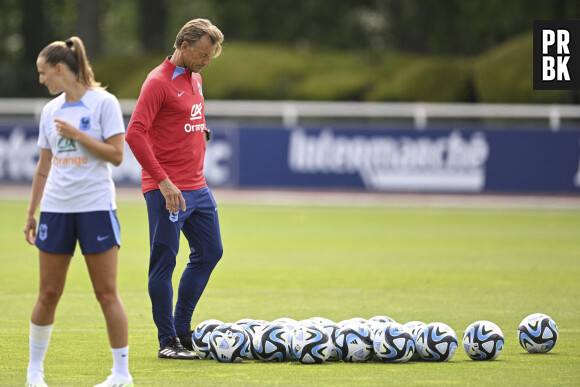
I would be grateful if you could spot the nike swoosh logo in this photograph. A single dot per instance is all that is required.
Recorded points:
(100, 238)
(180, 94)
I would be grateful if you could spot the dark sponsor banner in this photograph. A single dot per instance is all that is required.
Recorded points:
(19, 154)
(524, 161)
(386, 159)
(396, 160)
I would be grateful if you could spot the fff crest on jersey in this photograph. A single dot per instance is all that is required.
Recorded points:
(85, 123)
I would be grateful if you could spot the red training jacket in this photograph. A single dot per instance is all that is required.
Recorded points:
(167, 128)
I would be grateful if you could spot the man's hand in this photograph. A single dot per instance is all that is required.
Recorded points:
(172, 195)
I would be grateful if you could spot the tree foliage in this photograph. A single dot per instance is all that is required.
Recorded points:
(467, 27)
(114, 28)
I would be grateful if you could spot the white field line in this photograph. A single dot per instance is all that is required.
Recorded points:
(26, 329)
(68, 295)
(375, 199)
(345, 198)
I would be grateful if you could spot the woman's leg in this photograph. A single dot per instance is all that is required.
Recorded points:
(103, 272)
(52, 273)
(53, 270)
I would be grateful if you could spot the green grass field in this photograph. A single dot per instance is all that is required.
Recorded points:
(431, 264)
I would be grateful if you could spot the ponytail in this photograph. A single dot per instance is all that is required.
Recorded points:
(72, 53)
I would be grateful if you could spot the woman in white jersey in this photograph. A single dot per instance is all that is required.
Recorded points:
(81, 134)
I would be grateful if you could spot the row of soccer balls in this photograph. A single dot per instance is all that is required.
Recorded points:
(318, 339)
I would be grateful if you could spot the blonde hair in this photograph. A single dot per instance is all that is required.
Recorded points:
(72, 53)
(193, 30)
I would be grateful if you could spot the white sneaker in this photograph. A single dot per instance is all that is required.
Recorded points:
(116, 381)
(35, 380)
(36, 384)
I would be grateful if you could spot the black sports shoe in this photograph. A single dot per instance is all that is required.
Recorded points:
(174, 350)
(186, 340)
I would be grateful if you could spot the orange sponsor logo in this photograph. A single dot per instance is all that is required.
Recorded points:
(62, 161)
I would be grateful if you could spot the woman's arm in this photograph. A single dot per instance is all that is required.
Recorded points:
(38, 183)
(111, 150)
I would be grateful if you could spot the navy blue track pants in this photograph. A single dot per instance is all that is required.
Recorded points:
(200, 226)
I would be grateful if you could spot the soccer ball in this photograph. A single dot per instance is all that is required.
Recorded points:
(354, 342)
(483, 340)
(376, 323)
(200, 337)
(354, 320)
(382, 319)
(318, 321)
(375, 326)
(311, 343)
(251, 328)
(332, 329)
(538, 333)
(436, 342)
(394, 343)
(242, 322)
(272, 342)
(229, 343)
(289, 323)
(415, 327)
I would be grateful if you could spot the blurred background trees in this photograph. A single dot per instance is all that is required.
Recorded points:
(351, 48)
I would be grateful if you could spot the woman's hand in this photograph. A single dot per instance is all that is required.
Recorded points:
(30, 229)
(111, 150)
(64, 129)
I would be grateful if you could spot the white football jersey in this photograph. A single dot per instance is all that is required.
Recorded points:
(78, 180)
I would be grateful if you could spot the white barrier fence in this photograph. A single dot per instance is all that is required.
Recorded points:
(290, 112)
(372, 146)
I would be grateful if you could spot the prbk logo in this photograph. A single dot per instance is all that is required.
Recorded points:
(556, 55)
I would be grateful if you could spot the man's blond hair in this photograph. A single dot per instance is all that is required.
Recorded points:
(194, 29)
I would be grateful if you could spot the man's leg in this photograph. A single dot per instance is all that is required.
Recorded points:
(202, 231)
(164, 245)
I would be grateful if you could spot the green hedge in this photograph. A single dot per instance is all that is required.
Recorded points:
(270, 72)
(427, 79)
(504, 74)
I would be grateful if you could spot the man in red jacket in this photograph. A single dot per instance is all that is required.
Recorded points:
(167, 134)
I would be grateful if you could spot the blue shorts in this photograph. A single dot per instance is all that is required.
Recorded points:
(96, 232)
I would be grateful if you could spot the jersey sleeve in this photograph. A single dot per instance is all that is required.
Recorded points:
(148, 105)
(112, 117)
(42, 139)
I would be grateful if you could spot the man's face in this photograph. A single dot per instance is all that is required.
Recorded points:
(199, 55)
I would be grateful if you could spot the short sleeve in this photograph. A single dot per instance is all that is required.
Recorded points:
(111, 117)
(42, 129)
